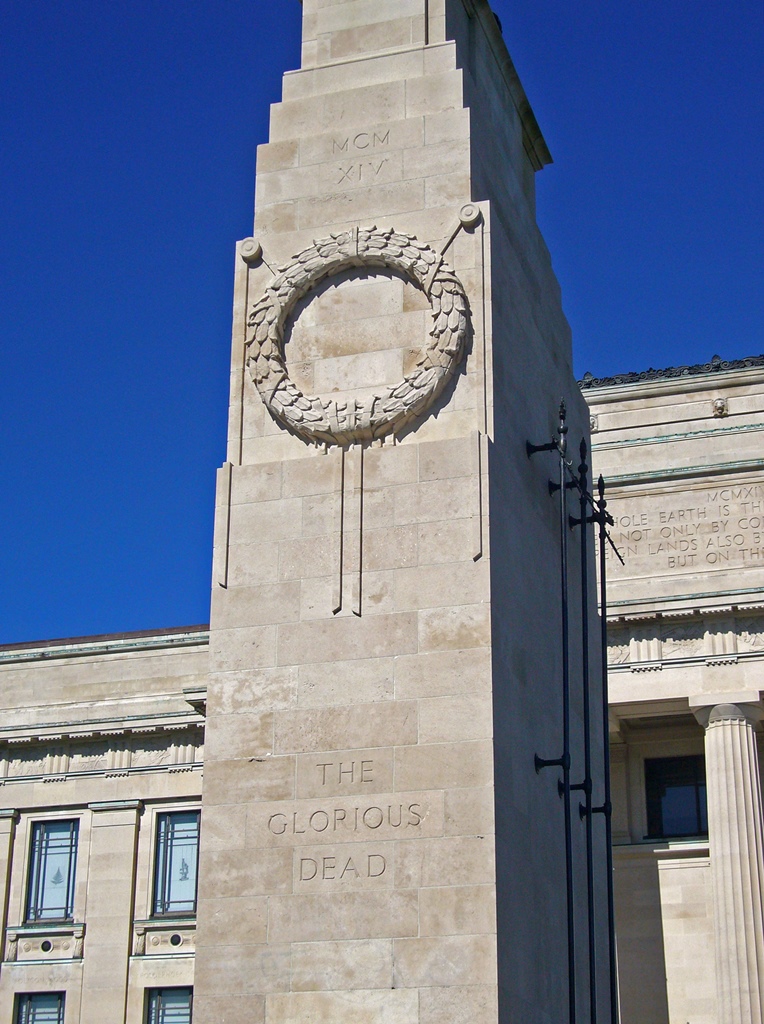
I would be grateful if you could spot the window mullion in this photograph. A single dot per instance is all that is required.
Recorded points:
(168, 852)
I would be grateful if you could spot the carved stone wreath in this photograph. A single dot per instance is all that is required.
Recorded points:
(324, 420)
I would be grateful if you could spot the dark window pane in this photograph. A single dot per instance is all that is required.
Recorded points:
(676, 797)
(176, 863)
(52, 865)
(169, 1006)
(40, 1008)
(703, 808)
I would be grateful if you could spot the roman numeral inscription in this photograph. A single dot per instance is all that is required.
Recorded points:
(359, 173)
(696, 530)
(362, 164)
(361, 142)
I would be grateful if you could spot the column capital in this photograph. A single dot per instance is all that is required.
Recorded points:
(714, 708)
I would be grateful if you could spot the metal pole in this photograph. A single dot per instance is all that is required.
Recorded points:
(565, 790)
(607, 808)
(586, 786)
(560, 445)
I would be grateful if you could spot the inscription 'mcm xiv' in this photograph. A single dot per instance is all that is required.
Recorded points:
(360, 171)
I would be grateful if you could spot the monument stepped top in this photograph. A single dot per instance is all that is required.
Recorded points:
(336, 31)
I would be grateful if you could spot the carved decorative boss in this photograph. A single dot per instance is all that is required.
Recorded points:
(324, 420)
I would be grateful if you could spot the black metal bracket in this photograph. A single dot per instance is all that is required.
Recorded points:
(606, 809)
(576, 521)
(554, 486)
(534, 449)
(582, 787)
(556, 762)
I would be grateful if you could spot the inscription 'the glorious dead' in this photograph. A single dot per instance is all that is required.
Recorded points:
(360, 818)
(330, 817)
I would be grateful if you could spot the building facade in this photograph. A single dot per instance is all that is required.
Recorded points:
(681, 450)
(101, 751)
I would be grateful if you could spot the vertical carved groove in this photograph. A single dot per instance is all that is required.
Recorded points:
(483, 369)
(226, 530)
(339, 528)
(243, 368)
(358, 579)
(477, 516)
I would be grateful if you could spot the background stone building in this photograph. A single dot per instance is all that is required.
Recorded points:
(681, 450)
(101, 750)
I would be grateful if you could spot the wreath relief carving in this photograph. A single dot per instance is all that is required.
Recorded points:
(324, 420)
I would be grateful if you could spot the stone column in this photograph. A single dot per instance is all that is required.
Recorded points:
(376, 845)
(736, 840)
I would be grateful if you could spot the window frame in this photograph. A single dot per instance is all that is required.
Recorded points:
(161, 886)
(23, 1004)
(34, 911)
(701, 811)
(152, 1010)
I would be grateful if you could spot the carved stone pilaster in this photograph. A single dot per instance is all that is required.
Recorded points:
(736, 844)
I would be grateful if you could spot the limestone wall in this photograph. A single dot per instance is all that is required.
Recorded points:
(97, 731)
(378, 682)
(680, 449)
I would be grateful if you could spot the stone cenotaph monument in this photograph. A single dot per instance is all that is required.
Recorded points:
(376, 847)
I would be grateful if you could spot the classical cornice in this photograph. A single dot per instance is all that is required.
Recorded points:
(108, 643)
(161, 723)
(716, 365)
(685, 435)
(685, 472)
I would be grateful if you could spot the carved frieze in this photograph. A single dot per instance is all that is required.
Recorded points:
(750, 634)
(682, 639)
(716, 639)
(116, 754)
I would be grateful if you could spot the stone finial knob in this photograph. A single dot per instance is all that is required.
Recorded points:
(251, 251)
(469, 215)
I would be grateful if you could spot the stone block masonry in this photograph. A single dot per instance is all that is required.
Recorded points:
(374, 830)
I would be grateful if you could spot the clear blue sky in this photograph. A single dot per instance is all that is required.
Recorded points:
(126, 171)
